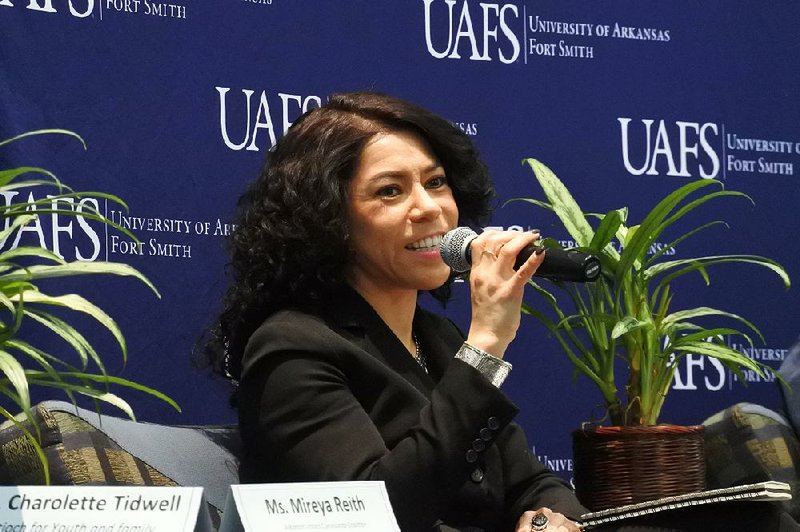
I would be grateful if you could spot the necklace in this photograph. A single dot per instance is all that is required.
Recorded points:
(420, 358)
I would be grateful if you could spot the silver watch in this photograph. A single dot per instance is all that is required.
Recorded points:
(494, 369)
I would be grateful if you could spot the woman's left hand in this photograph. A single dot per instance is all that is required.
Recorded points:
(556, 522)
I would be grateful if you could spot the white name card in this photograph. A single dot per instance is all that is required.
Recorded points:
(102, 509)
(309, 506)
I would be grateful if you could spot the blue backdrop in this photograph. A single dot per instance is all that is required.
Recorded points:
(624, 100)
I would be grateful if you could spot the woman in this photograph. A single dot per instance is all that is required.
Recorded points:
(342, 376)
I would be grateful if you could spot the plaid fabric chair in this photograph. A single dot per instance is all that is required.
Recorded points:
(749, 443)
(83, 448)
(790, 371)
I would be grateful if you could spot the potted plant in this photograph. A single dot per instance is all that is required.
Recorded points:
(23, 303)
(625, 321)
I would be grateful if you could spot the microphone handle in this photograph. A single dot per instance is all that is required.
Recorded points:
(562, 264)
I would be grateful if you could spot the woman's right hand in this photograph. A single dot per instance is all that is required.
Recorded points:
(555, 522)
(496, 289)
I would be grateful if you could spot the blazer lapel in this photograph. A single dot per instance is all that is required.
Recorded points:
(439, 340)
(369, 332)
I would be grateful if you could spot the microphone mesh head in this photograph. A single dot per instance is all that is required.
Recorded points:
(455, 248)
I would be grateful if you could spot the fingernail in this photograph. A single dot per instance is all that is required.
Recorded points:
(535, 231)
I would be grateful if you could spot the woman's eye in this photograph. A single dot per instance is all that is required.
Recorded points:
(436, 182)
(389, 191)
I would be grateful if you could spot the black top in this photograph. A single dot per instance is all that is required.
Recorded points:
(335, 395)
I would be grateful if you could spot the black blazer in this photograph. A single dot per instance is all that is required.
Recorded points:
(337, 396)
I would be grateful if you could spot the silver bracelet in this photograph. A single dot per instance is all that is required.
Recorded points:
(494, 369)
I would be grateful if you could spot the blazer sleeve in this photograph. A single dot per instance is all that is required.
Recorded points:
(530, 485)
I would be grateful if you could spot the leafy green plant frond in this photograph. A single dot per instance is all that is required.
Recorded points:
(19, 221)
(81, 304)
(110, 379)
(7, 176)
(69, 334)
(44, 132)
(563, 204)
(700, 263)
(606, 231)
(652, 226)
(32, 438)
(45, 271)
(15, 373)
(626, 313)
(22, 363)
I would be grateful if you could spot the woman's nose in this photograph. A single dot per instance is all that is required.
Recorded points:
(424, 205)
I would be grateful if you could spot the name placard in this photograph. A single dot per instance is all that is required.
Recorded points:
(102, 509)
(309, 506)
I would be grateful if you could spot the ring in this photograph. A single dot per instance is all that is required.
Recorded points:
(487, 252)
(539, 522)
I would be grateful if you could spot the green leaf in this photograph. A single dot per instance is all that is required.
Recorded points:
(17, 287)
(67, 333)
(625, 234)
(579, 364)
(606, 231)
(6, 302)
(32, 183)
(650, 228)
(623, 213)
(538, 203)
(628, 324)
(681, 315)
(41, 358)
(674, 243)
(548, 296)
(78, 303)
(93, 194)
(19, 313)
(698, 263)
(31, 438)
(571, 320)
(106, 397)
(696, 203)
(7, 176)
(109, 379)
(713, 334)
(42, 271)
(721, 352)
(18, 222)
(86, 213)
(46, 358)
(16, 376)
(701, 269)
(44, 132)
(30, 251)
(564, 205)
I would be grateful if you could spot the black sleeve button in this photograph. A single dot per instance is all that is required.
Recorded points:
(485, 434)
(477, 475)
(479, 445)
(493, 423)
(471, 456)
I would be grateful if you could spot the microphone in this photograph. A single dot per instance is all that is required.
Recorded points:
(559, 264)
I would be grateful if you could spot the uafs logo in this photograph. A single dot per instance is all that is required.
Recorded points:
(54, 231)
(482, 31)
(80, 8)
(285, 110)
(681, 149)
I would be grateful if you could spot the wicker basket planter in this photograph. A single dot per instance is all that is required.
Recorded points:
(615, 466)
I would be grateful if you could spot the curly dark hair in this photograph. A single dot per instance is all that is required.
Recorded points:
(289, 247)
